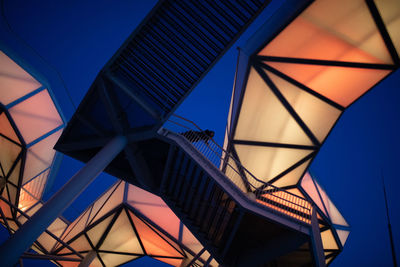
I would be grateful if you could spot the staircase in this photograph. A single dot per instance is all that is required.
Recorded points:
(229, 220)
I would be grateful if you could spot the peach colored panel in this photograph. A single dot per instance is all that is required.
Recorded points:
(340, 84)
(390, 13)
(308, 185)
(115, 259)
(266, 163)
(97, 232)
(293, 176)
(36, 116)
(338, 30)
(6, 128)
(122, 237)
(14, 81)
(36, 186)
(40, 156)
(155, 209)
(8, 153)
(318, 115)
(105, 203)
(264, 118)
(152, 242)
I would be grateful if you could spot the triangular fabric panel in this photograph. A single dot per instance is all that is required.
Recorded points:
(155, 209)
(293, 176)
(106, 203)
(122, 237)
(40, 156)
(76, 226)
(8, 153)
(267, 162)
(36, 116)
(308, 185)
(390, 13)
(6, 128)
(152, 242)
(328, 240)
(264, 118)
(318, 115)
(97, 231)
(110, 259)
(233, 173)
(343, 235)
(342, 85)
(14, 176)
(335, 215)
(14, 81)
(346, 27)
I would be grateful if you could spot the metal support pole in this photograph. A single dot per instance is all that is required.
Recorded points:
(88, 259)
(316, 241)
(12, 249)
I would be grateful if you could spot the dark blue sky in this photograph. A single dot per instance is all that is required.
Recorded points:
(76, 38)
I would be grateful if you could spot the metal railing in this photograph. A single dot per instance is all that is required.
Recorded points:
(270, 195)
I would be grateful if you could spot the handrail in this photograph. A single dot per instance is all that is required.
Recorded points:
(271, 195)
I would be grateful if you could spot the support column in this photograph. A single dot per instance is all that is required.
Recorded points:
(316, 241)
(88, 259)
(12, 249)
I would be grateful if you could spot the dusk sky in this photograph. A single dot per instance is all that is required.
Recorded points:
(72, 40)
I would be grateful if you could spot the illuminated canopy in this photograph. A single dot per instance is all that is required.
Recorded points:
(295, 77)
(30, 125)
(126, 223)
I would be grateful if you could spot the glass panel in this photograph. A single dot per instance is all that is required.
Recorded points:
(342, 85)
(292, 177)
(36, 116)
(121, 237)
(390, 13)
(14, 81)
(328, 241)
(316, 114)
(173, 262)
(36, 186)
(267, 162)
(346, 27)
(115, 259)
(263, 117)
(110, 203)
(152, 242)
(343, 235)
(8, 153)
(40, 156)
(308, 185)
(97, 232)
(155, 209)
(6, 128)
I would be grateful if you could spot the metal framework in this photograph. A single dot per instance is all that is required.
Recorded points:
(294, 80)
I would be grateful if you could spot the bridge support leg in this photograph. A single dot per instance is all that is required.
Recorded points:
(316, 242)
(12, 249)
